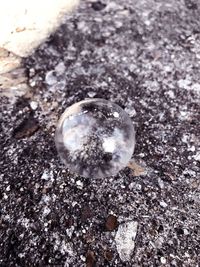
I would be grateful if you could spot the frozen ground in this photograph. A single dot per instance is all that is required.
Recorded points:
(145, 56)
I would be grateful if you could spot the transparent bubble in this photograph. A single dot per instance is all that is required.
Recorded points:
(95, 138)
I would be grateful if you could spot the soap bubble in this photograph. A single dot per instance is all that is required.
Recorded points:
(95, 138)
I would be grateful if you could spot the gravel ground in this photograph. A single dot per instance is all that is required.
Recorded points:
(145, 56)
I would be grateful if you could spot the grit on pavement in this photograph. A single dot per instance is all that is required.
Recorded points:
(145, 56)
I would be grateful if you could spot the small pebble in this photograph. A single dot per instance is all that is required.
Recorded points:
(26, 129)
(111, 223)
(163, 204)
(33, 105)
(163, 260)
(108, 255)
(91, 94)
(79, 184)
(90, 259)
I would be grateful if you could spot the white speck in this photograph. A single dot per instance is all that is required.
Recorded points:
(7, 217)
(184, 83)
(118, 24)
(138, 187)
(163, 204)
(70, 231)
(79, 184)
(32, 83)
(46, 211)
(109, 144)
(147, 22)
(186, 232)
(125, 239)
(161, 183)
(45, 199)
(131, 111)
(82, 258)
(66, 247)
(184, 114)
(197, 157)
(8, 188)
(31, 72)
(170, 93)
(81, 25)
(187, 254)
(74, 203)
(116, 114)
(91, 94)
(196, 87)
(33, 105)
(168, 68)
(185, 138)
(104, 84)
(152, 85)
(192, 148)
(159, 242)
(60, 68)
(131, 186)
(163, 260)
(24, 222)
(45, 175)
(173, 262)
(5, 196)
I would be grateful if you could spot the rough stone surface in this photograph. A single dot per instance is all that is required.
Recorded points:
(8, 62)
(125, 240)
(25, 24)
(145, 56)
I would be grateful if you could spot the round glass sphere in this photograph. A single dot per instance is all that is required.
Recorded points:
(95, 138)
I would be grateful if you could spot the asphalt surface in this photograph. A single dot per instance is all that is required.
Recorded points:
(145, 56)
